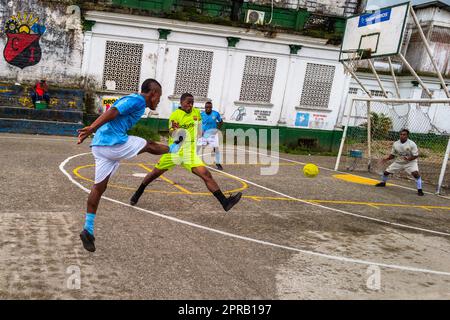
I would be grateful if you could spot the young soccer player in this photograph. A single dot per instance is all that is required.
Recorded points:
(211, 124)
(112, 144)
(185, 121)
(405, 152)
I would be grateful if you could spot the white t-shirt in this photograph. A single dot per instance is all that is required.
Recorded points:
(407, 149)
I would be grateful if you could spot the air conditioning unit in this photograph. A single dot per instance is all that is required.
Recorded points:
(255, 17)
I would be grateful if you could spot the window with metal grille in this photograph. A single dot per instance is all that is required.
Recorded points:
(257, 82)
(317, 86)
(122, 66)
(193, 72)
(353, 91)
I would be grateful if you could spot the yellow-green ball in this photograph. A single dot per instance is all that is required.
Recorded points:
(310, 170)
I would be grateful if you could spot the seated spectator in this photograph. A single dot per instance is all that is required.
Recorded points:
(40, 92)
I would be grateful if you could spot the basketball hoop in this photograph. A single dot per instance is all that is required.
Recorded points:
(354, 58)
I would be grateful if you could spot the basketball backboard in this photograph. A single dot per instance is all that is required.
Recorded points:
(379, 31)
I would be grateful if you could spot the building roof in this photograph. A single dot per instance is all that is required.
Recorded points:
(416, 3)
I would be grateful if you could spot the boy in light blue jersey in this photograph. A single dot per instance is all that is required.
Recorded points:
(211, 124)
(111, 144)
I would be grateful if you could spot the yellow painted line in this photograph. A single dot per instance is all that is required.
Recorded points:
(267, 198)
(357, 179)
(167, 180)
(76, 173)
(243, 183)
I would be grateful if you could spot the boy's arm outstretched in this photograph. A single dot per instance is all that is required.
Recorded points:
(109, 115)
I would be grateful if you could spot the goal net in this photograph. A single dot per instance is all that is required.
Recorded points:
(375, 124)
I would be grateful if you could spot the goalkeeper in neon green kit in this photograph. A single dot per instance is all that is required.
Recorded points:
(186, 121)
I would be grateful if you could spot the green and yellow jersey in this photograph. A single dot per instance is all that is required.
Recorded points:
(187, 156)
(187, 121)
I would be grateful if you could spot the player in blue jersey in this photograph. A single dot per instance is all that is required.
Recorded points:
(112, 144)
(211, 124)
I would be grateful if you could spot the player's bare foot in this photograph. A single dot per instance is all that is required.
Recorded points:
(88, 240)
(381, 184)
(231, 201)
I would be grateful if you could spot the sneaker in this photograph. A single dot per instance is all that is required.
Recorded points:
(231, 201)
(135, 198)
(381, 184)
(219, 166)
(420, 192)
(88, 240)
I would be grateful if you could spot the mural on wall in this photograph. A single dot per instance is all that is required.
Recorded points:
(23, 33)
(239, 114)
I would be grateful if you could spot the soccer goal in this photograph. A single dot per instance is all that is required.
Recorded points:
(372, 125)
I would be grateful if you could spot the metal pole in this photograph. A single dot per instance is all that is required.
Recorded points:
(369, 136)
(415, 75)
(357, 79)
(377, 77)
(430, 53)
(344, 135)
(444, 167)
(397, 88)
(437, 101)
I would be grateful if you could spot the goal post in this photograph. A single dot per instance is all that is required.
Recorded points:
(372, 125)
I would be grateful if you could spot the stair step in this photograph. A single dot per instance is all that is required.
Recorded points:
(39, 127)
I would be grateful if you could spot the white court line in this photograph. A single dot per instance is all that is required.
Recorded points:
(332, 170)
(330, 208)
(231, 235)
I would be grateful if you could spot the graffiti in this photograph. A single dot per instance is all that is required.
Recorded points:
(26, 102)
(107, 102)
(60, 98)
(23, 33)
(238, 114)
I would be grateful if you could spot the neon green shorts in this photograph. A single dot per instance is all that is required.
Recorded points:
(188, 161)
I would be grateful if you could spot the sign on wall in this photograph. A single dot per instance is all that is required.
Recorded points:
(302, 120)
(312, 121)
(23, 33)
(250, 115)
(107, 102)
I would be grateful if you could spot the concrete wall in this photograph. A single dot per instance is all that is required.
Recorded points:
(333, 7)
(61, 43)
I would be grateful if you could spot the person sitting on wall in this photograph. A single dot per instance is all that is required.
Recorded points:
(40, 92)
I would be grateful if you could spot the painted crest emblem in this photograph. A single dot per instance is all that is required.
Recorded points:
(23, 33)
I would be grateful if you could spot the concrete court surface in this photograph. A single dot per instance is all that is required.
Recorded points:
(290, 237)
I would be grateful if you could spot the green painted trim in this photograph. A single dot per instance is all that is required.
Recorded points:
(294, 48)
(88, 24)
(163, 33)
(307, 139)
(232, 41)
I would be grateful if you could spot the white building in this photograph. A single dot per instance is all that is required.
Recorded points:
(289, 81)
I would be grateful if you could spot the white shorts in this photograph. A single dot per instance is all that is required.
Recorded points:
(409, 167)
(107, 158)
(212, 140)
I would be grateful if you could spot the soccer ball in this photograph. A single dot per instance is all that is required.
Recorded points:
(310, 170)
